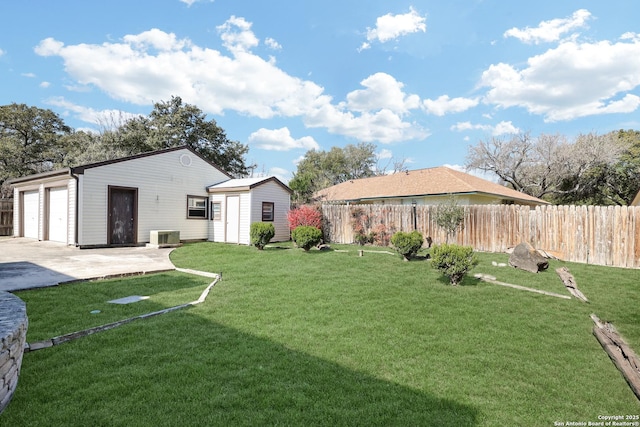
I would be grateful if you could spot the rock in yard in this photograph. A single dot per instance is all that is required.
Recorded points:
(525, 257)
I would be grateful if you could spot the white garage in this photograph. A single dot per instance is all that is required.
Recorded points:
(121, 202)
(58, 206)
(30, 209)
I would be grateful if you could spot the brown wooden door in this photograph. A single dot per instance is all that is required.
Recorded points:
(123, 206)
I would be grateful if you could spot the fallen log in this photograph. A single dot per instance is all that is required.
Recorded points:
(570, 283)
(619, 352)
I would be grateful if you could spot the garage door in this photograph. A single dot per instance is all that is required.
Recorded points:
(30, 205)
(58, 206)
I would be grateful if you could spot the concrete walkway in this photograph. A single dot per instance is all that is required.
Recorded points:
(26, 263)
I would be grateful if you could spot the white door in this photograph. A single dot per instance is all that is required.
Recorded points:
(58, 206)
(233, 219)
(31, 202)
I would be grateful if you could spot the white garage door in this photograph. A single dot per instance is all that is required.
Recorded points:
(30, 204)
(58, 206)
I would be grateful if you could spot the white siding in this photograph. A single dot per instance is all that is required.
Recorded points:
(163, 181)
(17, 220)
(245, 217)
(272, 192)
(71, 215)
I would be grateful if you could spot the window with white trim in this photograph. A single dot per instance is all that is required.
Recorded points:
(196, 207)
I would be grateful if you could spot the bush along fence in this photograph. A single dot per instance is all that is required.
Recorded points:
(6, 217)
(601, 235)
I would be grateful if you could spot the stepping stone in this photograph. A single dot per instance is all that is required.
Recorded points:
(128, 300)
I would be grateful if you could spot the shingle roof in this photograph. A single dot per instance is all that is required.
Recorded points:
(244, 184)
(422, 182)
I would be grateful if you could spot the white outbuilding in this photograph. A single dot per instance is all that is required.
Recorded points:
(237, 203)
(123, 202)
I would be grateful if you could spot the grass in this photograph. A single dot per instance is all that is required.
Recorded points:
(67, 308)
(330, 338)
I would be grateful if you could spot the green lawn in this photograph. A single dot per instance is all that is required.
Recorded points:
(330, 338)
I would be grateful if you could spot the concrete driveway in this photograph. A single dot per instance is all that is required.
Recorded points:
(26, 264)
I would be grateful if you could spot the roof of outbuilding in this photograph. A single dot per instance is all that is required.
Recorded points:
(421, 182)
(244, 184)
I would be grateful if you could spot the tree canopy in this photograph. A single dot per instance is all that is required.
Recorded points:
(321, 169)
(172, 124)
(34, 140)
(30, 141)
(591, 169)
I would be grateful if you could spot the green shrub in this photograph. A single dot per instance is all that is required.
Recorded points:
(454, 261)
(306, 236)
(261, 234)
(407, 244)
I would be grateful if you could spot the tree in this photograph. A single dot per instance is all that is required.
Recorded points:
(449, 216)
(172, 124)
(322, 169)
(31, 141)
(614, 183)
(548, 166)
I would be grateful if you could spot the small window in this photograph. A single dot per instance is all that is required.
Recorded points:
(267, 211)
(216, 209)
(196, 207)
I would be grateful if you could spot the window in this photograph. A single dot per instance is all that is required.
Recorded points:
(267, 211)
(216, 210)
(196, 207)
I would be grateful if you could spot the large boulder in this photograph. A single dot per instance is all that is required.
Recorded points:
(526, 257)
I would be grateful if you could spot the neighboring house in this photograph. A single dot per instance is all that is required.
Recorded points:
(636, 200)
(237, 203)
(424, 187)
(119, 202)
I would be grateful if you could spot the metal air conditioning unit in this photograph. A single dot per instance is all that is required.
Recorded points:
(164, 238)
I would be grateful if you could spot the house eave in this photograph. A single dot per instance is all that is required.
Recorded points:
(50, 175)
(419, 196)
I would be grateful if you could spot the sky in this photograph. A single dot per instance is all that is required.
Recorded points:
(422, 80)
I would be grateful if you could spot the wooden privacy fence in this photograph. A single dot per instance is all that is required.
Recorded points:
(602, 235)
(6, 217)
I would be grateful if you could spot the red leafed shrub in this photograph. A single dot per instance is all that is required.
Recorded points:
(305, 215)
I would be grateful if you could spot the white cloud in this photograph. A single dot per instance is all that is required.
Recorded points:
(44, 85)
(30, 75)
(189, 3)
(280, 140)
(383, 125)
(153, 65)
(237, 36)
(391, 27)
(156, 39)
(502, 128)
(382, 91)
(444, 105)
(272, 43)
(549, 31)
(570, 81)
(384, 154)
(89, 115)
(1, 52)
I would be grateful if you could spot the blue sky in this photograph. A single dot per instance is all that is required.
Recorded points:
(423, 80)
